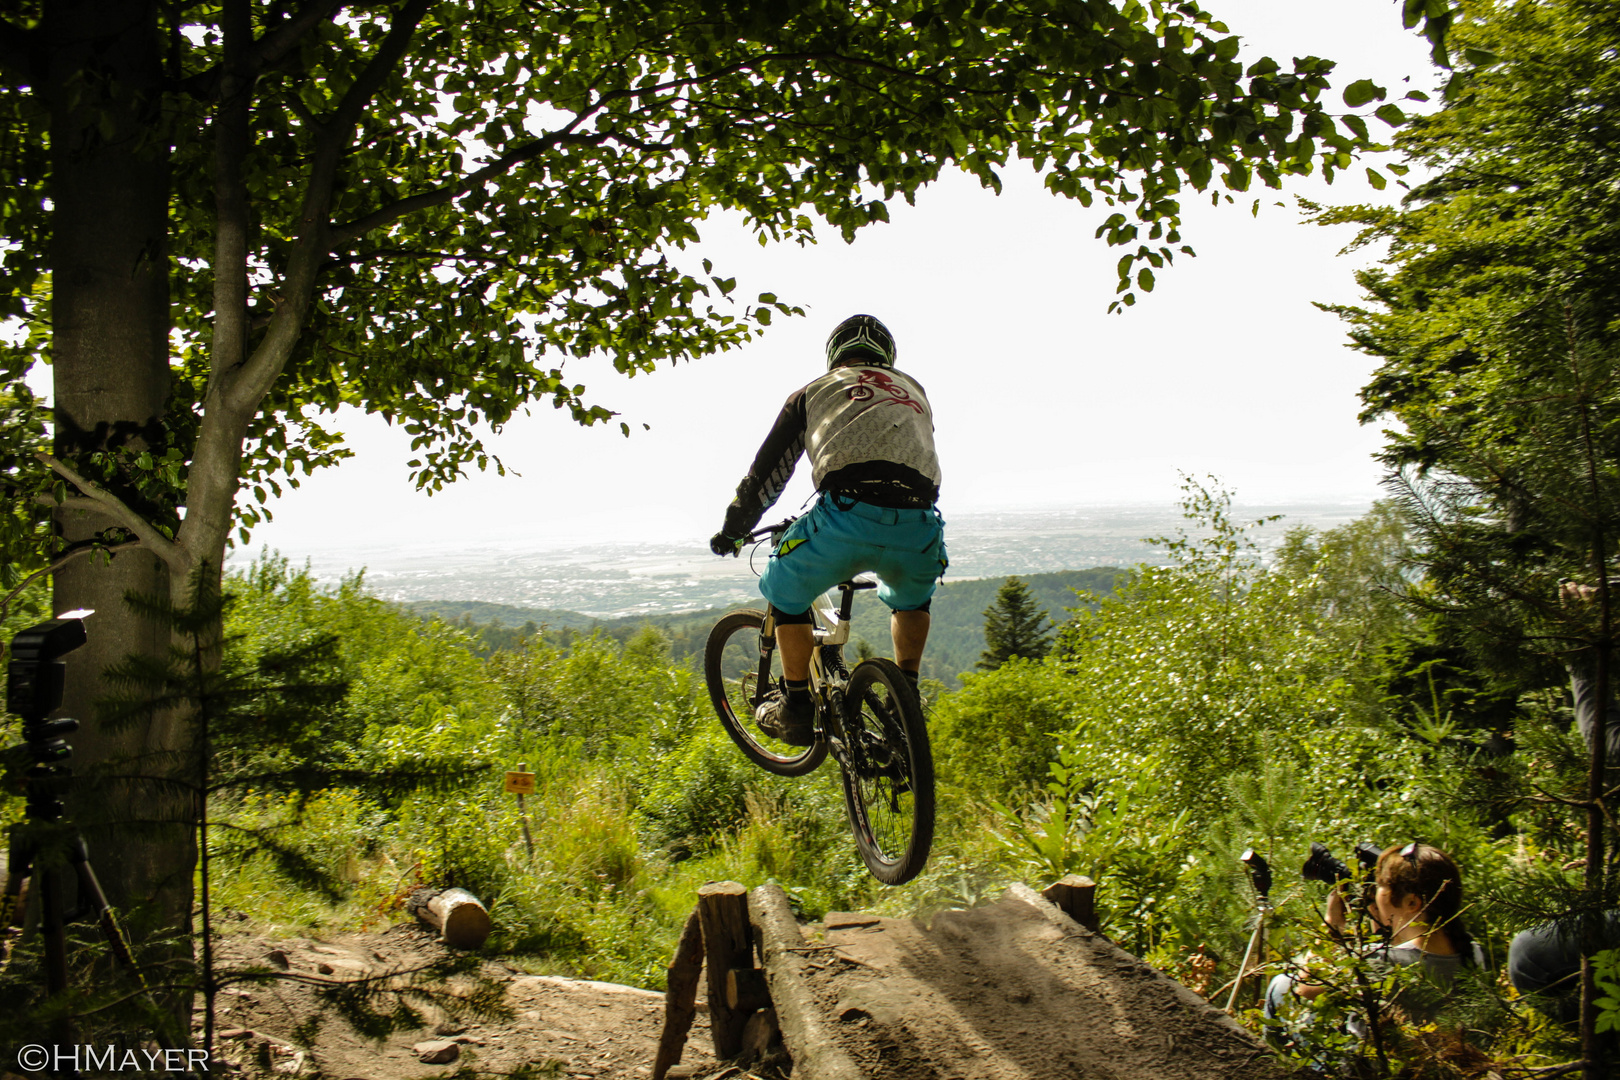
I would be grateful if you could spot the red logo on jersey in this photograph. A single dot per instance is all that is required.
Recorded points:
(873, 382)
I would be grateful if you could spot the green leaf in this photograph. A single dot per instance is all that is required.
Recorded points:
(1376, 179)
(1390, 114)
(1481, 58)
(1144, 279)
(1361, 92)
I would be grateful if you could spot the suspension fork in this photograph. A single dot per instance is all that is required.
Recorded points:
(767, 645)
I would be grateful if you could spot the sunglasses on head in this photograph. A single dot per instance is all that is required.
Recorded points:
(1410, 852)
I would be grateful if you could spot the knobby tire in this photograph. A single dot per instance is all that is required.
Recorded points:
(889, 781)
(730, 697)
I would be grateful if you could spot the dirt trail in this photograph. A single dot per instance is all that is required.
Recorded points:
(590, 1029)
(1010, 991)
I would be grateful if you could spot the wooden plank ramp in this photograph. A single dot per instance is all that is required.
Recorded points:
(1015, 990)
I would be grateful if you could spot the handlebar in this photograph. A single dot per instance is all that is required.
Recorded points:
(770, 530)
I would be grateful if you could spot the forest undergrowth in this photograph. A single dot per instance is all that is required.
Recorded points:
(1210, 706)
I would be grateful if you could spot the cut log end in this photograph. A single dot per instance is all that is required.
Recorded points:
(460, 918)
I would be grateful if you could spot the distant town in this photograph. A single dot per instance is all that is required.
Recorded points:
(613, 580)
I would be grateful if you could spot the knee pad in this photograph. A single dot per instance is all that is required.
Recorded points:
(784, 619)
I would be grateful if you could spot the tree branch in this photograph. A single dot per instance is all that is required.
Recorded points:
(370, 80)
(73, 553)
(279, 41)
(313, 244)
(275, 44)
(232, 139)
(414, 253)
(114, 507)
(345, 235)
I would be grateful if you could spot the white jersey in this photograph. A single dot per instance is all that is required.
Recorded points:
(857, 414)
(869, 431)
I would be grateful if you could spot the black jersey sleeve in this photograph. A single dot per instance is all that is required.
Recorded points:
(772, 468)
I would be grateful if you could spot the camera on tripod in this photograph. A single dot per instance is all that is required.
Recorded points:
(35, 680)
(1324, 867)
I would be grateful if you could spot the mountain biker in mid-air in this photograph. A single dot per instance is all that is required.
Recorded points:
(870, 434)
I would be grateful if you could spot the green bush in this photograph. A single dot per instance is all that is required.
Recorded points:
(1000, 732)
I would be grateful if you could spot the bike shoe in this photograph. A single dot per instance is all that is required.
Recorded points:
(791, 722)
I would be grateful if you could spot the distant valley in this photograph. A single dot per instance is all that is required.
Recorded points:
(498, 583)
(954, 644)
(616, 579)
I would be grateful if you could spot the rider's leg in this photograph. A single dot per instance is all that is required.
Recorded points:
(910, 632)
(794, 641)
(790, 716)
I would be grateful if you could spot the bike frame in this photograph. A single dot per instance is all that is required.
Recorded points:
(826, 684)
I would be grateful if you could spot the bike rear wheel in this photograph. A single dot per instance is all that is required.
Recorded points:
(731, 666)
(889, 776)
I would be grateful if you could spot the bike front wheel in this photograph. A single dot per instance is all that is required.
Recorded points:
(732, 663)
(889, 772)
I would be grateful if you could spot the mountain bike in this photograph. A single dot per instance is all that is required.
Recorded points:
(868, 719)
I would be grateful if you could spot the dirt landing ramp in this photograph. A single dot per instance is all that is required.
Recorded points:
(1012, 991)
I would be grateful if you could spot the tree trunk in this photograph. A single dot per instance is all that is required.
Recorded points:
(109, 189)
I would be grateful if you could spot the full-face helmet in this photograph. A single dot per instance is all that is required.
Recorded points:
(860, 339)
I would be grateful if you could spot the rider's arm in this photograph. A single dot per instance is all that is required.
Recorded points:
(1336, 913)
(772, 468)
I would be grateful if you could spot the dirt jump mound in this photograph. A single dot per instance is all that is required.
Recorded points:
(1012, 991)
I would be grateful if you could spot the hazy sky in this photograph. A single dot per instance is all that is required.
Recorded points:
(1040, 398)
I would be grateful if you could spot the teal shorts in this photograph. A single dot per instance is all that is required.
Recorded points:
(833, 542)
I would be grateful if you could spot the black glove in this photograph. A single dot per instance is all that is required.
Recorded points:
(721, 544)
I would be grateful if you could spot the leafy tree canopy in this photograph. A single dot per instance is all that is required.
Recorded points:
(1508, 259)
(1495, 321)
(1497, 326)
(426, 208)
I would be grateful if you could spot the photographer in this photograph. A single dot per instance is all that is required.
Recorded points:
(1544, 962)
(1417, 901)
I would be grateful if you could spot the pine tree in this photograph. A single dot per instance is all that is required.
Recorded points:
(1014, 626)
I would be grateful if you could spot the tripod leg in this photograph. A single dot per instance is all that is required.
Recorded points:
(19, 864)
(90, 890)
(91, 894)
(1255, 949)
(53, 930)
(11, 903)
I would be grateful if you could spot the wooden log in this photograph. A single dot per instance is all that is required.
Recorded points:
(458, 916)
(746, 990)
(807, 1037)
(761, 1037)
(728, 943)
(1077, 896)
(680, 998)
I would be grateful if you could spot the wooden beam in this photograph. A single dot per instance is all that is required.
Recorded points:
(728, 943)
(805, 1032)
(746, 990)
(1077, 897)
(680, 998)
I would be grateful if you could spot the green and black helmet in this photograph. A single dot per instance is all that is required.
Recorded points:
(860, 339)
